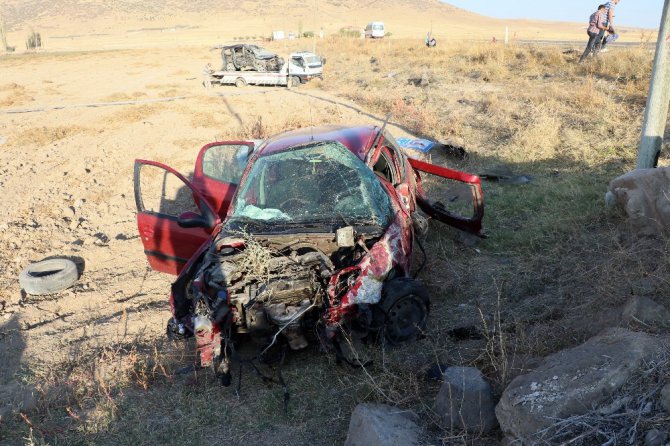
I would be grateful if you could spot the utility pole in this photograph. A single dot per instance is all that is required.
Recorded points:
(656, 112)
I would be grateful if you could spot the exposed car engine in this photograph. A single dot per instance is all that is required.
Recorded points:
(266, 291)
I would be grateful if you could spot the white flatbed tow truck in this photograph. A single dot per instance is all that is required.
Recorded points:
(300, 68)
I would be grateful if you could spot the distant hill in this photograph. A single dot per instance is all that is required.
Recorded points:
(85, 24)
(19, 12)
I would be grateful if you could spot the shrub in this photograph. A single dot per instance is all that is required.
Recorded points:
(348, 32)
(34, 40)
(308, 34)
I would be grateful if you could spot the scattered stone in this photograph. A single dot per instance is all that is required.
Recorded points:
(101, 238)
(68, 212)
(382, 425)
(644, 287)
(645, 313)
(643, 194)
(615, 406)
(571, 381)
(465, 401)
(655, 438)
(665, 397)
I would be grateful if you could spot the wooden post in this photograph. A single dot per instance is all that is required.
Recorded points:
(506, 35)
(656, 112)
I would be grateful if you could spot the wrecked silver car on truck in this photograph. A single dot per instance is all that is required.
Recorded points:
(243, 56)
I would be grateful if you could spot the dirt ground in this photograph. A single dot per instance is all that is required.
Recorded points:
(67, 185)
(67, 181)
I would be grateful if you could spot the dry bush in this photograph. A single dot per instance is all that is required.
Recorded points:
(205, 119)
(14, 94)
(42, 136)
(256, 129)
(419, 120)
(134, 113)
(118, 97)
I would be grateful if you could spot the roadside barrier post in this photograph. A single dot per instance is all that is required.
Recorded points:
(656, 112)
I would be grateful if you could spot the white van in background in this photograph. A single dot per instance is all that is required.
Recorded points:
(375, 30)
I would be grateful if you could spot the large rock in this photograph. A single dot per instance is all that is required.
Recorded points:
(465, 401)
(655, 438)
(645, 313)
(645, 196)
(382, 425)
(572, 381)
(665, 397)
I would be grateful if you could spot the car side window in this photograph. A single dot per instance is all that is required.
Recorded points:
(225, 163)
(384, 167)
(388, 165)
(395, 157)
(162, 193)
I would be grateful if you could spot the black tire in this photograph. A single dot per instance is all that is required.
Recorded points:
(48, 276)
(404, 310)
(295, 81)
(240, 82)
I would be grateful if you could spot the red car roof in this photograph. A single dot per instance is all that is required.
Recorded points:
(357, 139)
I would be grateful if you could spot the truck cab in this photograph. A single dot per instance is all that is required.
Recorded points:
(305, 65)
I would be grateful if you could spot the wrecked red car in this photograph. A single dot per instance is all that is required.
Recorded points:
(308, 233)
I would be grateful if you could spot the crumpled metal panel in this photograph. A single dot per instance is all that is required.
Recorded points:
(393, 249)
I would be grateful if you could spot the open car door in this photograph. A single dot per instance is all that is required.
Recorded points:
(173, 218)
(450, 196)
(218, 170)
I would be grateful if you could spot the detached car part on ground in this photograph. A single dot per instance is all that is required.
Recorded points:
(305, 236)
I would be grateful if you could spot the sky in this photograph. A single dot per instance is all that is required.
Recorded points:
(636, 13)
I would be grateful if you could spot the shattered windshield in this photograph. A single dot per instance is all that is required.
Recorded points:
(322, 182)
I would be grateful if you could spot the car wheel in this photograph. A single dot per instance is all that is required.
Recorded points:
(404, 306)
(240, 82)
(48, 276)
(295, 81)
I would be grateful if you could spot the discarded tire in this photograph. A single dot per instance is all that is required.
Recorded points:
(48, 276)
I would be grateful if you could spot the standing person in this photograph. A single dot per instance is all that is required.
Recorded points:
(609, 25)
(596, 26)
(207, 75)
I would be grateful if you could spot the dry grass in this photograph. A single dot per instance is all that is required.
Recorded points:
(13, 94)
(41, 136)
(134, 113)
